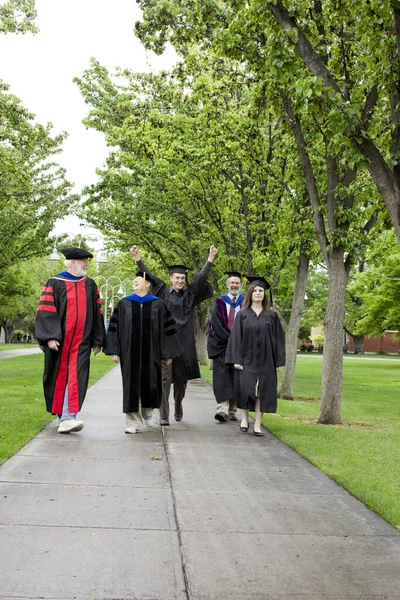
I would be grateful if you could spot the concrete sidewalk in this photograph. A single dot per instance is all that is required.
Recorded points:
(19, 352)
(203, 513)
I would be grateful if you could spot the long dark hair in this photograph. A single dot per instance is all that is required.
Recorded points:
(247, 301)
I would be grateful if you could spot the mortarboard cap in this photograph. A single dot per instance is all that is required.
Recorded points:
(258, 280)
(181, 269)
(234, 274)
(146, 277)
(76, 253)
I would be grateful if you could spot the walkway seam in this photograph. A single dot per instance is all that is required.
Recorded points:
(178, 529)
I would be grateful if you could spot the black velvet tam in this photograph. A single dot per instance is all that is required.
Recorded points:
(76, 253)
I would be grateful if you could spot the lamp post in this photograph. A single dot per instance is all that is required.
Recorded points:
(109, 291)
(101, 256)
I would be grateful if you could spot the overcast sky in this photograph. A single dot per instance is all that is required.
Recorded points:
(40, 68)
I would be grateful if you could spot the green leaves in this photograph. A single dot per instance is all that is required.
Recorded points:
(17, 16)
(33, 189)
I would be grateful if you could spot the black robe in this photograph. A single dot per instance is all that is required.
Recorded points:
(217, 342)
(69, 312)
(142, 334)
(257, 343)
(182, 305)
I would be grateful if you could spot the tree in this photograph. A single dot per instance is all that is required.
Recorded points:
(17, 16)
(328, 155)
(20, 286)
(33, 188)
(378, 288)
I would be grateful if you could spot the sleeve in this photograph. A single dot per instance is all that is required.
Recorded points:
(233, 354)
(280, 350)
(200, 288)
(47, 322)
(98, 327)
(112, 339)
(160, 286)
(170, 345)
(217, 335)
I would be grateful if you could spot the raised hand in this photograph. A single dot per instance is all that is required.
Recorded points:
(135, 253)
(212, 253)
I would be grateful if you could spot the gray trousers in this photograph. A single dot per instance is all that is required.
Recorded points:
(168, 372)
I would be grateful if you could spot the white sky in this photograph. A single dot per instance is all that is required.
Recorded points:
(40, 68)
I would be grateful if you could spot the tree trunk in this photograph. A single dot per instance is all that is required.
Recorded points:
(8, 329)
(331, 394)
(201, 324)
(286, 391)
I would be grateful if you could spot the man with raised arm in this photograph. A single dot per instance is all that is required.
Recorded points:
(181, 299)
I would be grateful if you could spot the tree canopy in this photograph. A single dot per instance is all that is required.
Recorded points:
(33, 188)
(18, 16)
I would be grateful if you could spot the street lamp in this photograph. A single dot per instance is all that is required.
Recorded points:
(101, 256)
(109, 291)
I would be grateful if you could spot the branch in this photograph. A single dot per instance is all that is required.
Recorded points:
(304, 47)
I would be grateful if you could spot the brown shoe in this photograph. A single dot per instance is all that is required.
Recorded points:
(232, 417)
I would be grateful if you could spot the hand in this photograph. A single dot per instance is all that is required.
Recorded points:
(238, 367)
(212, 253)
(53, 345)
(168, 361)
(115, 358)
(135, 253)
(278, 369)
(96, 349)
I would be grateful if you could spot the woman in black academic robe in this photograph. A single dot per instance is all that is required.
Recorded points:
(141, 333)
(256, 348)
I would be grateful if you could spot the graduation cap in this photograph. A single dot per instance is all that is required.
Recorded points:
(262, 282)
(180, 269)
(146, 277)
(234, 274)
(76, 253)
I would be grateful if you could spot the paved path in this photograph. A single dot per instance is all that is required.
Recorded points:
(219, 515)
(19, 352)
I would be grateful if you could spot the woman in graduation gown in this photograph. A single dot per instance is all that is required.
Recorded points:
(141, 333)
(256, 348)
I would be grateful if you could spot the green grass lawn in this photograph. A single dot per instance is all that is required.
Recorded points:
(22, 408)
(362, 455)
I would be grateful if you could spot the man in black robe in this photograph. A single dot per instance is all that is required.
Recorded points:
(225, 309)
(142, 333)
(181, 301)
(69, 323)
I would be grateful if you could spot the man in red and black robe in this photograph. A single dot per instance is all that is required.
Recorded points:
(69, 323)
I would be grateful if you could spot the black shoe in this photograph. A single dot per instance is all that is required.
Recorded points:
(258, 433)
(220, 416)
(164, 422)
(244, 429)
(178, 416)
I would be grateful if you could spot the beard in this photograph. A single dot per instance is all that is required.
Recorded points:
(234, 292)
